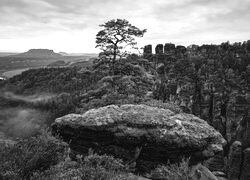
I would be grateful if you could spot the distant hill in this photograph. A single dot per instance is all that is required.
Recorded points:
(64, 53)
(39, 53)
(79, 54)
(40, 58)
(84, 54)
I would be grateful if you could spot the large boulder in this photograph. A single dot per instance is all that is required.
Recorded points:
(140, 133)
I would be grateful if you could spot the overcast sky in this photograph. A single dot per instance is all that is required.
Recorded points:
(71, 25)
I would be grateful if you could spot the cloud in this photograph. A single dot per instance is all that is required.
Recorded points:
(202, 21)
(71, 25)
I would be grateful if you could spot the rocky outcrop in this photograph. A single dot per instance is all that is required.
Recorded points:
(140, 133)
(245, 172)
(181, 49)
(159, 49)
(239, 155)
(147, 50)
(169, 48)
(243, 133)
(234, 161)
(239, 162)
(211, 97)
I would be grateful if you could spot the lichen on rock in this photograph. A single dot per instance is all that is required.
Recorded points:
(160, 134)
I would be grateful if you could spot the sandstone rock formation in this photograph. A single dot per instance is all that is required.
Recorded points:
(169, 48)
(159, 49)
(221, 101)
(235, 160)
(245, 171)
(181, 49)
(140, 133)
(147, 50)
(239, 155)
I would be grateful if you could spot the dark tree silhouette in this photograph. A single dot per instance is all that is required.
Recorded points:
(115, 36)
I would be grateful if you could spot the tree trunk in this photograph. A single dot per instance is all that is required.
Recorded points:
(113, 60)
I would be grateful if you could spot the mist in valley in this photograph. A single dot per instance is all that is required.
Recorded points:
(23, 117)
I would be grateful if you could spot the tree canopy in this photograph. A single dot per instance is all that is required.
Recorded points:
(116, 36)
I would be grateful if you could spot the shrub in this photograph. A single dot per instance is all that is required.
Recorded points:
(171, 106)
(20, 160)
(108, 99)
(179, 171)
(92, 167)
